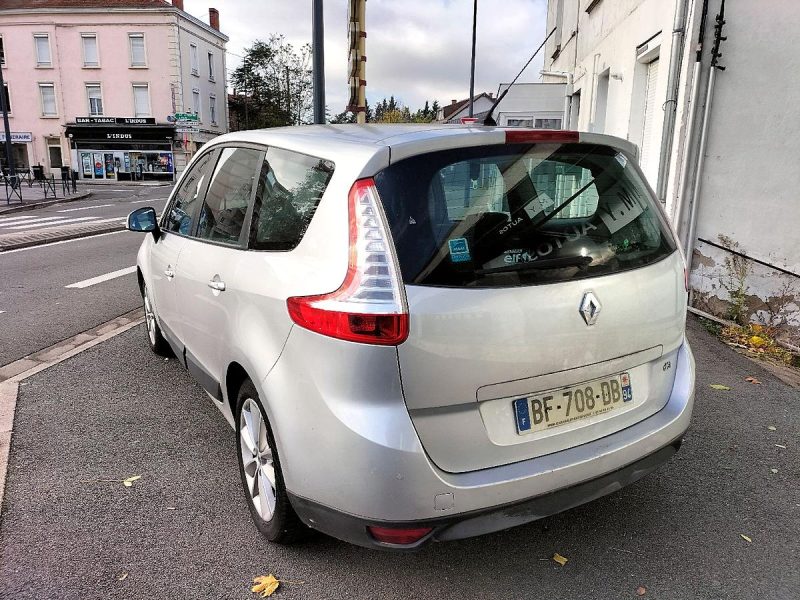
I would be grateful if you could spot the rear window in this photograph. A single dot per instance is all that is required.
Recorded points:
(495, 216)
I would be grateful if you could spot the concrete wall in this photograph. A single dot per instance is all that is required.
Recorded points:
(750, 183)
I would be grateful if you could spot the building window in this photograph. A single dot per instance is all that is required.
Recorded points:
(547, 123)
(90, 55)
(2, 52)
(196, 103)
(141, 100)
(138, 55)
(42, 41)
(47, 92)
(519, 122)
(193, 57)
(212, 108)
(211, 66)
(7, 98)
(95, 99)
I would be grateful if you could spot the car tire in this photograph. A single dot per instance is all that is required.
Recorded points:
(155, 339)
(260, 471)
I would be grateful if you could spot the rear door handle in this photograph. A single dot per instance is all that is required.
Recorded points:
(216, 284)
(169, 272)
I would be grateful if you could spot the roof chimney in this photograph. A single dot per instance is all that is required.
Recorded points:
(213, 18)
(453, 101)
(178, 4)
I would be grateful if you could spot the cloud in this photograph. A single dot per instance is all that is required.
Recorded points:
(417, 50)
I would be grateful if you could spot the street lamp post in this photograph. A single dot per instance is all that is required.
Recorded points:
(318, 55)
(472, 66)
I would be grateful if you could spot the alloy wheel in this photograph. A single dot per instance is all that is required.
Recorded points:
(257, 460)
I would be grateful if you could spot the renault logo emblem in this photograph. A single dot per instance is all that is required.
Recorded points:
(590, 308)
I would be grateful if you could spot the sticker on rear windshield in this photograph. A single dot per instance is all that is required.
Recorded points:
(459, 250)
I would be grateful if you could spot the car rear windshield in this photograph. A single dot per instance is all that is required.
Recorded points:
(496, 216)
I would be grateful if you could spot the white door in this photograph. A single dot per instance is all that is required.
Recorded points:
(650, 140)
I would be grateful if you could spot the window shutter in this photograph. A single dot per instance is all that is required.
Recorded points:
(137, 50)
(90, 51)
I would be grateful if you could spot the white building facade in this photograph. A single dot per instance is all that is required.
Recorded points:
(723, 162)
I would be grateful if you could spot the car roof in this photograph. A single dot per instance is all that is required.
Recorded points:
(404, 139)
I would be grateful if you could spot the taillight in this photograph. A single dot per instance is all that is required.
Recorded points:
(369, 306)
(392, 535)
(532, 136)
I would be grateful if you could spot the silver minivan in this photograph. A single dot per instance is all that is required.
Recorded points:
(423, 332)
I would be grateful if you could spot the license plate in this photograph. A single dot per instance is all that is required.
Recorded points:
(556, 408)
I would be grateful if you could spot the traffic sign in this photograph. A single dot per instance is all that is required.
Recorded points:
(186, 117)
(187, 130)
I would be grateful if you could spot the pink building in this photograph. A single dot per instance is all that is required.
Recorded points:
(96, 85)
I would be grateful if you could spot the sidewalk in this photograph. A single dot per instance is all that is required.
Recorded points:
(34, 197)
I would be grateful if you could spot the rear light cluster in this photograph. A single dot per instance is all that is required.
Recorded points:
(369, 306)
(532, 136)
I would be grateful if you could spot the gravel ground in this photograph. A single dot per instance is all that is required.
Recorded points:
(183, 530)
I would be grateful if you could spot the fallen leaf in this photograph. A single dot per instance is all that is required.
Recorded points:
(752, 380)
(562, 560)
(772, 428)
(718, 386)
(641, 590)
(122, 577)
(773, 471)
(757, 341)
(745, 538)
(265, 585)
(129, 481)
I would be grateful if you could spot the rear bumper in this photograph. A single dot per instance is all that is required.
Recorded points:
(351, 456)
(353, 529)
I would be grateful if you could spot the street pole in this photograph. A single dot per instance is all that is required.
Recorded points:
(472, 67)
(318, 50)
(7, 127)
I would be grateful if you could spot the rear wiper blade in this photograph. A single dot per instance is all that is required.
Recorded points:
(547, 263)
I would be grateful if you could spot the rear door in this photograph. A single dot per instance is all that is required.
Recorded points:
(532, 271)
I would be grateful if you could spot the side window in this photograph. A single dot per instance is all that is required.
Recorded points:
(290, 186)
(229, 191)
(179, 217)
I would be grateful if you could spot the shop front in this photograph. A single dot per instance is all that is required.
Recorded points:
(20, 142)
(122, 149)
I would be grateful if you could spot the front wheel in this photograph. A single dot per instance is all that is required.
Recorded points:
(260, 470)
(157, 343)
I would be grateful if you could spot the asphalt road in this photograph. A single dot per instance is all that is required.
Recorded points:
(183, 530)
(36, 309)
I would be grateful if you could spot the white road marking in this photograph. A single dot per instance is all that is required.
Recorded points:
(147, 200)
(4, 219)
(36, 221)
(1, 312)
(11, 221)
(46, 246)
(101, 278)
(61, 221)
(84, 208)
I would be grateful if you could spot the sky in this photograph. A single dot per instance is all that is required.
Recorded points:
(417, 50)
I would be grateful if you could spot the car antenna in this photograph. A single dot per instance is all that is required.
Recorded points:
(488, 120)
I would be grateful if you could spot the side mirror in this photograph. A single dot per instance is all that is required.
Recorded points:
(143, 220)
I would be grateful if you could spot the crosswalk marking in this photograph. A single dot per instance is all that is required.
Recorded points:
(17, 217)
(59, 221)
(66, 210)
(37, 220)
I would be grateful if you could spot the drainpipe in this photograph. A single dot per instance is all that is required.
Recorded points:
(677, 209)
(565, 122)
(715, 54)
(671, 103)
